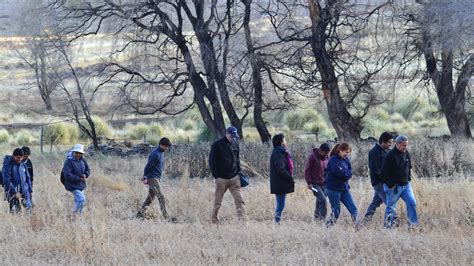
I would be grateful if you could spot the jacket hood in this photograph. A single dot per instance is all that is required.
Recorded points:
(70, 155)
(7, 159)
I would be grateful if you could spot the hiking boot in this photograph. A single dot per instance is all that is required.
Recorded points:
(173, 220)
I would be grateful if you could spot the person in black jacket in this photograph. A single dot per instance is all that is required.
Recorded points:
(281, 174)
(395, 172)
(225, 167)
(376, 155)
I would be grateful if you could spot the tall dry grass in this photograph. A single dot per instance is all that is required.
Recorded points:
(108, 233)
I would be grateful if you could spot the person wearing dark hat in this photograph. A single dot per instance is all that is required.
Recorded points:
(75, 172)
(152, 177)
(16, 181)
(314, 175)
(29, 166)
(225, 167)
(376, 155)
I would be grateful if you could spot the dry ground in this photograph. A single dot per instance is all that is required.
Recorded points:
(108, 233)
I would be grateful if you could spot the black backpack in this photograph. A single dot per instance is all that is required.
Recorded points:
(62, 176)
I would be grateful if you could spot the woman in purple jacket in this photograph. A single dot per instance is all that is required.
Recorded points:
(339, 171)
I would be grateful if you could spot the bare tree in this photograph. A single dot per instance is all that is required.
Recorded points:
(167, 25)
(79, 90)
(346, 68)
(439, 33)
(35, 49)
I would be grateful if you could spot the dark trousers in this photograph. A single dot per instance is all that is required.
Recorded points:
(320, 210)
(378, 199)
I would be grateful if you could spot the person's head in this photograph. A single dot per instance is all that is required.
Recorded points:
(342, 150)
(18, 155)
(324, 149)
(386, 140)
(165, 144)
(78, 151)
(279, 140)
(232, 134)
(401, 143)
(26, 152)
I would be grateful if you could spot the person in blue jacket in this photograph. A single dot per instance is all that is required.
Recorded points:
(339, 171)
(16, 181)
(152, 177)
(76, 171)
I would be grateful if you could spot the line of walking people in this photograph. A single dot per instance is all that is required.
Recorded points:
(327, 173)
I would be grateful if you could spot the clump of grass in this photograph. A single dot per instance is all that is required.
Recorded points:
(56, 133)
(24, 137)
(4, 136)
(102, 129)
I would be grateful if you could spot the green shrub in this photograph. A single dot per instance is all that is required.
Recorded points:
(296, 120)
(101, 128)
(24, 137)
(205, 135)
(418, 117)
(4, 136)
(139, 131)
(156, 129)
(73, 132)
(56, 133)
(397, 118)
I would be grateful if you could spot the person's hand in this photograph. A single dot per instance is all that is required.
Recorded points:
(18, 195)
(144, 180)
(310, 186)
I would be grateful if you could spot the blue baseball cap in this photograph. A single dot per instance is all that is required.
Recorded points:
(233, 132)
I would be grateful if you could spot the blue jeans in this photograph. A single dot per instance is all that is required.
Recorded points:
(280, 205)
(79, 200)
(393, 195)
(335, 198)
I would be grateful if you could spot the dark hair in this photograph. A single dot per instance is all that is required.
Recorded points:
(26, 150)
(18, 152)
(325, 147)
(165, 142)
(277, 140)
(341, 147)
(385, 137)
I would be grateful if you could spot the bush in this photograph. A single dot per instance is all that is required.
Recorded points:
(296, 120)
(418, 117)
(4, 136)
(139, 131)
(397, 118)
(205, 135)
(101, 128)
(156, 129)
(56, 133)
(23, 137)
(73, 132)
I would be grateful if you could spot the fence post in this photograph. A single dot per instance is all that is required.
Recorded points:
(42, 138)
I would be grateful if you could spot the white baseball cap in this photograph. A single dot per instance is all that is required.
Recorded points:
(78, 148)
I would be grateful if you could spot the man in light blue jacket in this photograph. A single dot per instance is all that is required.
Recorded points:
(16, 181)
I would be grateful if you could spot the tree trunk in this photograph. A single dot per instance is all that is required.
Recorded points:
(347, 127)
(256, 64)
(451, 99)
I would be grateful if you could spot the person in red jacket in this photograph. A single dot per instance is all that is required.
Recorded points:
(314, 175)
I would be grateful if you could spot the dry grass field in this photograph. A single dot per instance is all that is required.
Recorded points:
(108, 233)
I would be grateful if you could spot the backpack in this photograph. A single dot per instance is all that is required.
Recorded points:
(61, 177)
